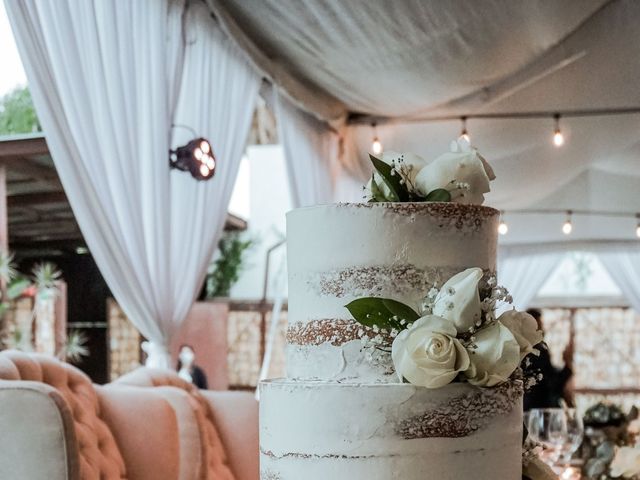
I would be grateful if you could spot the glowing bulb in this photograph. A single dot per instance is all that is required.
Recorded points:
(198, 154)
(558, 138)
(204, 170)
(211, 163)
(376, 146)
(568, 226)
(638, 231)
(205, 147)
(464, 133)
(503, 228)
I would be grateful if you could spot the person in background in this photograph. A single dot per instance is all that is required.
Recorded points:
(549, 390)
(188, 370)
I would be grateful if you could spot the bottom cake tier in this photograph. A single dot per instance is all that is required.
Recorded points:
(339, 431)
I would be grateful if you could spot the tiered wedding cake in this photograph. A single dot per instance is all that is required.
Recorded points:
(360, 275)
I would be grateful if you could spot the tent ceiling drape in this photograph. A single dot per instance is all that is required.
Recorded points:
(401, 58)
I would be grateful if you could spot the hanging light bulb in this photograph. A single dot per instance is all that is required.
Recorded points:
(376, 146)
(464, 133)
(558, 138)
(503, 228)
(638, 225)
(568, 226)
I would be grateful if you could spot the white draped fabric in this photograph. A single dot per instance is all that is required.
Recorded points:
(104, 76)
(624, 268)
(524, 275)
(310, 149)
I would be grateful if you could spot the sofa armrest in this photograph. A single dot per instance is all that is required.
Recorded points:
(145, 428)
(38, 438)
(236, 417)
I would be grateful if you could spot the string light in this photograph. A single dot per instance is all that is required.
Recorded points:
(558, 138)
(638, 225)
(464, 133)
(376, 145)
(503, 228)
(567, 228)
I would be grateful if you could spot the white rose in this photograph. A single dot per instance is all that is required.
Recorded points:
(463, 165)
(626, 463)
(428, 353)
(495, 358)
(411, 164)
(525, 330)
(459, 299)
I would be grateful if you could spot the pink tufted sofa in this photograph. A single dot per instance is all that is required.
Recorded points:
(150, 425)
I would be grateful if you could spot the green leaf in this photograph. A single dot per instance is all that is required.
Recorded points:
(376, 192)
(398, 191)
(438, 195)
(370, 311)
(17, 287)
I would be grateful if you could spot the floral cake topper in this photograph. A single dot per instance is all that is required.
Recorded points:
(461, 176)
(453, 336)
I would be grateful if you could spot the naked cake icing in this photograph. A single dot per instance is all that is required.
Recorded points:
(337, 253)
(362, 399)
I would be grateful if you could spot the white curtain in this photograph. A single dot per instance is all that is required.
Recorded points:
(624, 267)
(524, 275)
(310, 149)
(104, 76)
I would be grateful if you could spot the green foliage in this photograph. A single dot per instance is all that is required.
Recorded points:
(398, 188)
(228, 265)
(382, 312)
(438, 195)
(76, 346)
(17, 287)
(17, 113)
(398, 191)
(7, 267)
(45, 275)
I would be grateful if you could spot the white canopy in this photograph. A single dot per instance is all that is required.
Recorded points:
(420, 58)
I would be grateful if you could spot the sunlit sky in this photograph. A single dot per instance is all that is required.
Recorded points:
(12, 73)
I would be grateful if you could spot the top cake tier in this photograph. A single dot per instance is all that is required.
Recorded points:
(337, 253)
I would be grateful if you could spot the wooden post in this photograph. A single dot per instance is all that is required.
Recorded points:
(4, 219)
(572, 332)
(4, 229)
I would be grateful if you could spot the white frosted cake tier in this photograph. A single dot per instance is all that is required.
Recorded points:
(344, 431)
(337, 253)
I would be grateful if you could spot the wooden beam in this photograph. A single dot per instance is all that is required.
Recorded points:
(39, 238)
(608, 391)
(233, 222)
(24, 146)
(66, 245)
(28, 167)
(51, 225)
(34, 199)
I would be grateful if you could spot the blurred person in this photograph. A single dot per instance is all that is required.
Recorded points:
(549, 390)
(188, 370)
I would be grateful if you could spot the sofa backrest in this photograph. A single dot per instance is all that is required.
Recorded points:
(213, 451)
(98, 454)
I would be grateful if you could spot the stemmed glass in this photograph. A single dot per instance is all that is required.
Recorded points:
(559, 429)
(548, 426)
(575, 435)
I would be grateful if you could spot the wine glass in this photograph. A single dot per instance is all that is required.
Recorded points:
(575, 435)
(548, 426)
